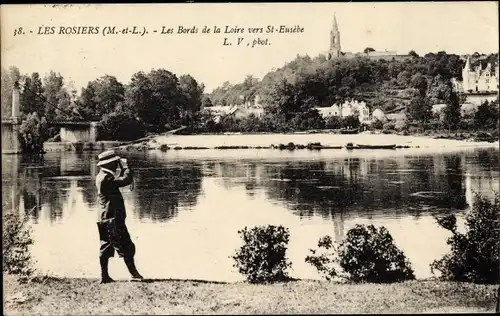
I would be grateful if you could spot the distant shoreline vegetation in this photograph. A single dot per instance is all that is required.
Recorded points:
(159, 100)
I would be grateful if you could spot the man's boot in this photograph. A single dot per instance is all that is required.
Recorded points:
(105, 278)
(136, 276)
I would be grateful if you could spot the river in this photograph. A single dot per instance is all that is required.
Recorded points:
(186, 207)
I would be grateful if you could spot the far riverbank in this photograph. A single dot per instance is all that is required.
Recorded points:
(300, 141)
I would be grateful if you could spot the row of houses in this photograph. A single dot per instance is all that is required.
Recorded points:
(347, 108)
(235, 111)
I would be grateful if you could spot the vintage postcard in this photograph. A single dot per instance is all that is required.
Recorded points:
(251, 158)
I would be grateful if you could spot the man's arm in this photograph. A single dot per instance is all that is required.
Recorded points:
(124, 179)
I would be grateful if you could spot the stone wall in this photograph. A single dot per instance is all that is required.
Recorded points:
(79, 133)
(478, 99)
(80, 146)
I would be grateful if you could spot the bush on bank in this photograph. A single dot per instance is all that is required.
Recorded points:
(367, 254)
(16, 242)
(474, 255)
(262, 257)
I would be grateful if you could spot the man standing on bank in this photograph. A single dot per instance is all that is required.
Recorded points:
(113, 233)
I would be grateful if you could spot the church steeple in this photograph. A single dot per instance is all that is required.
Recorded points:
(334, 39)
(468, 64)
(335, 27)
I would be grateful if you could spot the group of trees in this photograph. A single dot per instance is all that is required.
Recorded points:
(158, 100)
(42, 100)
(49, 97)
(152, 102)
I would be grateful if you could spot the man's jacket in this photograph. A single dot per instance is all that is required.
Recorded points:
(110, 199)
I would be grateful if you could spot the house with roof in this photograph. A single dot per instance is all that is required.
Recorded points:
(238, 111)
(333, 110)
(347, 108)
(478, 80)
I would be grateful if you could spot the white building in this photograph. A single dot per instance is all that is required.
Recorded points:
(478, 79)
(237, 111)
(333, 110)
(347, 108)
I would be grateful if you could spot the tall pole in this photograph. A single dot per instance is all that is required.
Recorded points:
(16, 145)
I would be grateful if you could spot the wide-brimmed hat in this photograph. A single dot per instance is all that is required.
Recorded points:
(107, 157)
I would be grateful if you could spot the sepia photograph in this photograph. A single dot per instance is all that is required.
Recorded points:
(250, 158)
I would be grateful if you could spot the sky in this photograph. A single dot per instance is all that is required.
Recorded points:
(455, 27)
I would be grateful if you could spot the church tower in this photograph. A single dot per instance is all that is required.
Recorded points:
(334, 40)
(466, 75)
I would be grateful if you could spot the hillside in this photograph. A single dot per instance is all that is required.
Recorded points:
(380, 83)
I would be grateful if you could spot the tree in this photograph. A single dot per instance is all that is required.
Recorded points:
(158, 99)
(121, 125)
(85, 105)
(419, 82)
(167, 95)
(206, 101)
(100, 97)
(31, 96)
(486, 116)
(333, 122)
(368, 50)
(413, 54)
(32, 133)
(350, 121)
(192, 93)
(108, 92)
(452, 112)
(56, 98)
(419, 109)
(139, 97)
(404, 78)
(249, 87)
(474, 255)
(281, 100)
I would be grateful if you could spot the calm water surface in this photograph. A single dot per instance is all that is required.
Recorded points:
(187, 206)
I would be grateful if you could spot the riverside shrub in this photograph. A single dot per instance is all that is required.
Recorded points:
(366, 254)
(16, 242)
(323, 258)
(474, 255)
(262, 257)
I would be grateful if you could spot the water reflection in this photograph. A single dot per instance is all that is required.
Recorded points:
(206, 197)
(321, 188)
(160, 191)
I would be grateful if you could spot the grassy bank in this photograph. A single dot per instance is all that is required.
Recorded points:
(86, 296)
